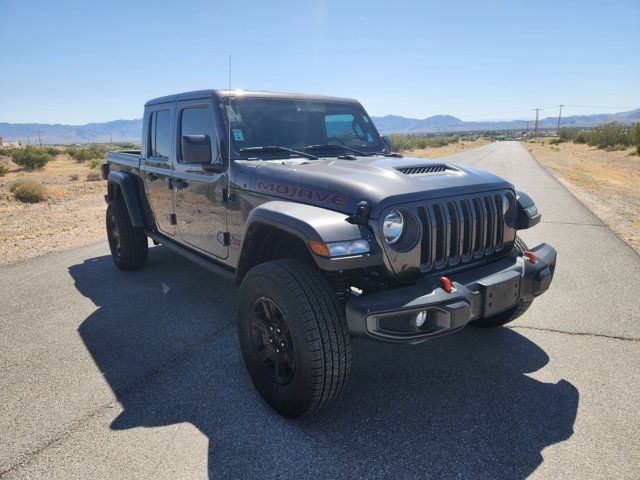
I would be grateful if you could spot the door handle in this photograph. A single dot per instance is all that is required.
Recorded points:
(180, 184)
(151, 176)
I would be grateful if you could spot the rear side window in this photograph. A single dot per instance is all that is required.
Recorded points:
(160, 134)
(196, 121)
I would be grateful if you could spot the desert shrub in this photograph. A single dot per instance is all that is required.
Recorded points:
(29, 192)
(557, 141)
(567, 134)
(53, 151)
(30, 158)
(74, 177)
(82, 154)
(410, 142)
(612, 136)
(93, 176)
(3, 170)
(5, 152)
(95, 163)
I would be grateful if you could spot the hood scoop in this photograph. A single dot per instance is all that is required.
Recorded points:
(422, 170)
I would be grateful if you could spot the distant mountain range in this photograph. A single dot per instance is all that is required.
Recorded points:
(448, 123)
(118, 130)
(131, 130)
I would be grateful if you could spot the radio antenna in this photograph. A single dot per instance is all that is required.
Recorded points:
(229, 194)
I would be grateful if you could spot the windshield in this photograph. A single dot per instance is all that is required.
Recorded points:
(297, 125)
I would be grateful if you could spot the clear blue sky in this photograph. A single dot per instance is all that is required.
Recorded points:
(83, 61)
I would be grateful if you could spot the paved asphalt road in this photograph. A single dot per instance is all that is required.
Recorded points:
(111, 375)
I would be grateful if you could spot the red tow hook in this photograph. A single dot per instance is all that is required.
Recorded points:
(530, 256)
(447, 286)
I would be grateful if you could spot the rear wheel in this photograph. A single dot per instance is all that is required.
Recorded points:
(128, 244)
(508, 315)
(293, 337)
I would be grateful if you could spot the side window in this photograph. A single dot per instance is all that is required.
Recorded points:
(160, 134)
(196, 121)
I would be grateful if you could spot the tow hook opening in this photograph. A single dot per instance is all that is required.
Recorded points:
(530, 255)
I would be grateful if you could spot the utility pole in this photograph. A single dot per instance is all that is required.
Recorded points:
(111, 137)
(28, 140)
(39, 140)
(560, 116)
(527, 128)
(535, 130)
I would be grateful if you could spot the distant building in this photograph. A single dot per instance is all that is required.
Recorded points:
(9, 143)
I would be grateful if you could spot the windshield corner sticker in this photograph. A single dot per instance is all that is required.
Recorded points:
(303, 194)
(237, 135)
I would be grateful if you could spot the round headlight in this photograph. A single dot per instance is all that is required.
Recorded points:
(392, 227)
(508, 209)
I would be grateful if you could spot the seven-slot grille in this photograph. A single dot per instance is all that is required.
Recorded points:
(425, 170)
(463, 229)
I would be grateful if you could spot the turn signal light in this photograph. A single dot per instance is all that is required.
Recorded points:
(319, 248)
(340, 249)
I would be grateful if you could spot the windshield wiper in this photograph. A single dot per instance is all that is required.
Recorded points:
(277, 148)
(333, 147)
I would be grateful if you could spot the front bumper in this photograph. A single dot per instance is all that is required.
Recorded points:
(483, 291)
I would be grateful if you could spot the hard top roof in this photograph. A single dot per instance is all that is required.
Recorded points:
(217, 94)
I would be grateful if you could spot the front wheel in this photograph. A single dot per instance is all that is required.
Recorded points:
(293, 336)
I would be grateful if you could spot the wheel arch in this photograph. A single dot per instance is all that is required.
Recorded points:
(125, 185)
(276, 227)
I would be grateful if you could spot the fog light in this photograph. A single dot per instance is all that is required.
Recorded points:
(421, 318)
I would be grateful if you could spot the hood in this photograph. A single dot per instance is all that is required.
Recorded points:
(381, 181)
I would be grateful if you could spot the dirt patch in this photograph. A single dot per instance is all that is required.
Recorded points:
(435, 152)
(71, 216)
(608, 183)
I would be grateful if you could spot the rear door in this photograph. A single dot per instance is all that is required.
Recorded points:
(199, 204)
(157, 167)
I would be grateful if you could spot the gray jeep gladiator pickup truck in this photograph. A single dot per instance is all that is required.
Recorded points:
(330, 236)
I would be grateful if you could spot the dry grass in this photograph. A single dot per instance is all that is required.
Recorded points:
(608, 183)
(26, 191)
(72, 214)
(435, 152)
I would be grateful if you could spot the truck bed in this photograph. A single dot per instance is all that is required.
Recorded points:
(130, 158)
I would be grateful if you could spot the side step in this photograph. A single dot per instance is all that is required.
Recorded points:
(201, 260)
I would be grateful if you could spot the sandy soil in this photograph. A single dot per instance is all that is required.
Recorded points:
(73, 214)
(460, 146)
(608, 183)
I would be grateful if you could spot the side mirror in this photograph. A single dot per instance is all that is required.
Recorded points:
(387, 141)
(196, 148)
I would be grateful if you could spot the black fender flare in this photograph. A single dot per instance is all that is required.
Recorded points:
(528, 214)
(129, 186)
(311, 223)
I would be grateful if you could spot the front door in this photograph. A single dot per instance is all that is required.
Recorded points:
(198, 193)
(157, 171)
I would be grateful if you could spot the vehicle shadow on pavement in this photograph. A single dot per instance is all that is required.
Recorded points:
(458, 407)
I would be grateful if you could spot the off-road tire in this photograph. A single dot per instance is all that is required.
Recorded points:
(128, 244)
(510, 315)
(317, 332)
